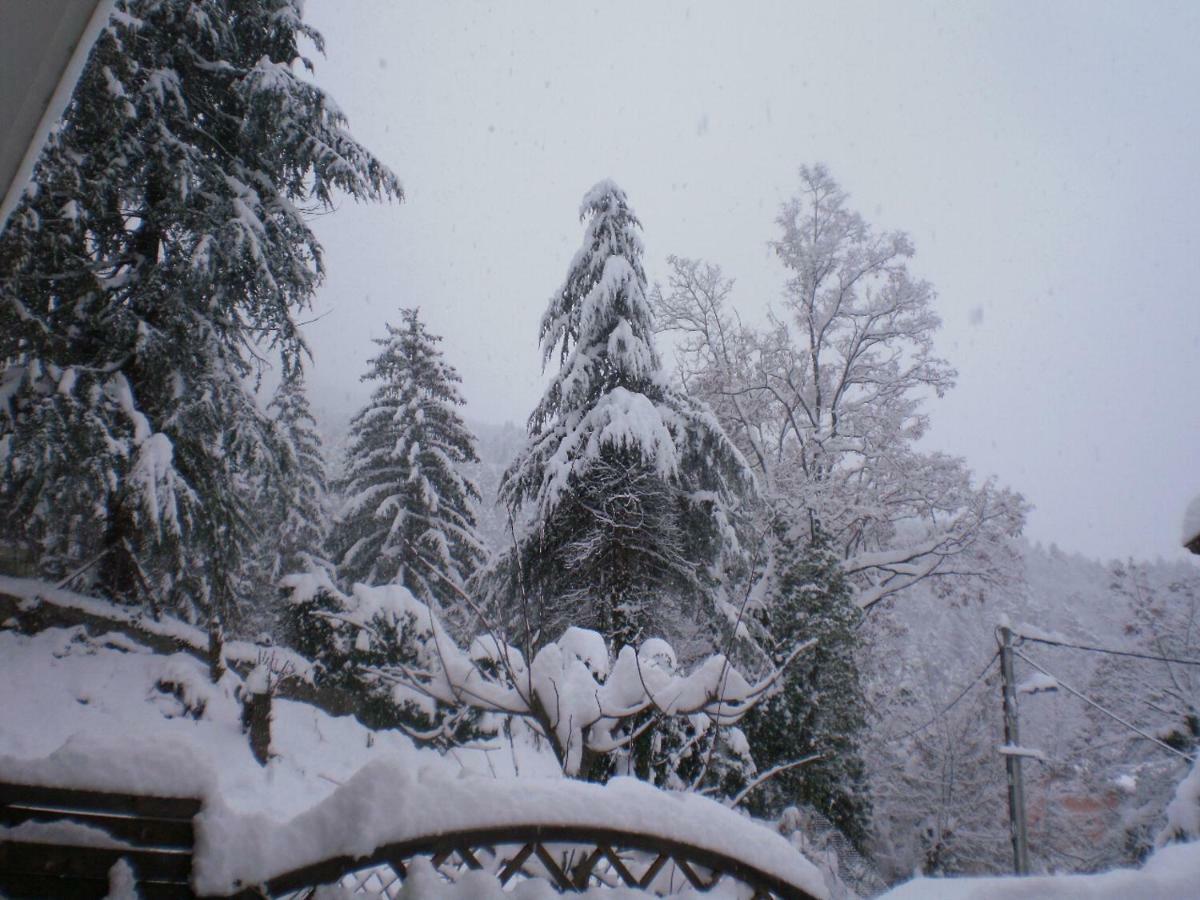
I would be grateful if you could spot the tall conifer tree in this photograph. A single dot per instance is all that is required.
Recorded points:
(631, 483)
(163, 243)
(300, 496)
(409, 516)
(820, 709)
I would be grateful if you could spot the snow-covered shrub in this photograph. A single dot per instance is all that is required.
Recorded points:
(355, 640)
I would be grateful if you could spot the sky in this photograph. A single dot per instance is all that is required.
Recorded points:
(1044, 158)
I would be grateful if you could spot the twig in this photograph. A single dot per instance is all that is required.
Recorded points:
(771, 773)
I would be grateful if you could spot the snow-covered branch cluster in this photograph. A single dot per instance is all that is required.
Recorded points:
(583, 701)
(825, 400)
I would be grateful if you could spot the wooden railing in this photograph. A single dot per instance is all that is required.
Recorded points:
(72, 839)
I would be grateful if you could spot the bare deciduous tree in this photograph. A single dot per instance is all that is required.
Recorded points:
(826, 400)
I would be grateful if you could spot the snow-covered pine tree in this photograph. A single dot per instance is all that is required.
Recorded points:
(409, 513)
(162, 245)
(820, 710)
(632, 483)
(301, 514)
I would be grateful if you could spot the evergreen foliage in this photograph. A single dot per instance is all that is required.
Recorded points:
(300, 516)
(820, 708)
(354, 647)
(162, 245)
(632, 484)
(409, 514)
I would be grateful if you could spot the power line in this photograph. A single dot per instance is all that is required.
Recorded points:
(1108, 650)
(1090, 702)
(949, 706)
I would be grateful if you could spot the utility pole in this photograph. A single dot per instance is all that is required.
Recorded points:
(1012, 739)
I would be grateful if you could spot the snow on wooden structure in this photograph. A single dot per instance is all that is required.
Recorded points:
(572, 858)
(1191, 526)
(403, 815)
(61, 842)
(571, 833)
(69, 842)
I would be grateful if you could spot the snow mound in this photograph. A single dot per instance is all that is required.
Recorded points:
(113, 718)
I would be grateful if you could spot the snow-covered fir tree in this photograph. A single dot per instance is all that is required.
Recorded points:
(819, 713)
(632, 484)
(161, 247)
(301, 511)
(409, 513)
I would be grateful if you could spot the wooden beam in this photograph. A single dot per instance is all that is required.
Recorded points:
(146, 832)
(552, 866)
(28, 858)
(513, 866)
(75, 800)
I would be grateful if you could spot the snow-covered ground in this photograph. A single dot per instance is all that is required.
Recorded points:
(1173, 873)
(104, 712)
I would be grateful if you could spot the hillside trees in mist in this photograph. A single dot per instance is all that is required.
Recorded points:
(155, 267)
(826, 400)
(631, 486)
(1098, 798)
(408, 514)
(1159, 696)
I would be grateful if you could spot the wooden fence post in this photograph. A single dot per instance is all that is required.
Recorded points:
(216, 649)
(256, 713)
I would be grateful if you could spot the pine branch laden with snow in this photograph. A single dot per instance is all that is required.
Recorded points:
(409, 514)
(584, 702)
(160, 256)
(826, 400)
(633, 486)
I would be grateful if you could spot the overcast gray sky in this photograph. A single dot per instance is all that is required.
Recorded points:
(1045, 158)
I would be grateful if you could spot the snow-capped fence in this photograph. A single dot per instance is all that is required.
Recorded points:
(68, 842)
(571, 857)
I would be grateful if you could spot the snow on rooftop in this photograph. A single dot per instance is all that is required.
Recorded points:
(1191, 522)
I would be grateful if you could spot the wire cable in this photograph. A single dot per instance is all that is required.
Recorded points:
(949, 706)
(1090, 702)
(1053, 643)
